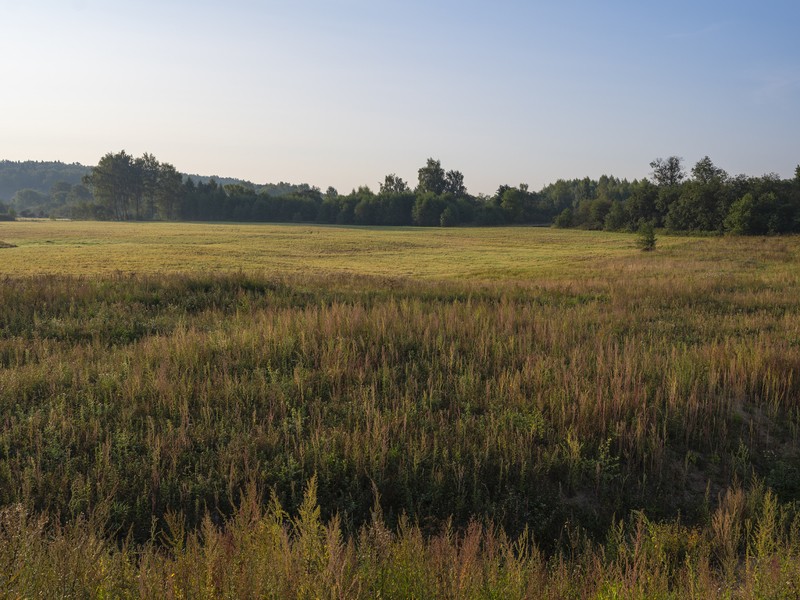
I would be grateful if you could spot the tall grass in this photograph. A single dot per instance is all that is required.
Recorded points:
(260, 551)
(510, 425)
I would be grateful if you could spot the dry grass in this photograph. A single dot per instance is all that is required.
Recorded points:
(517, 378)
(89, 248)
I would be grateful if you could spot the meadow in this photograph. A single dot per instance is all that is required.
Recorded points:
(225, 410)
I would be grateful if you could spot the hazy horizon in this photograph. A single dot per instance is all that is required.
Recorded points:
(344, 92)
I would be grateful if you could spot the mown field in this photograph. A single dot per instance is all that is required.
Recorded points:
(270, 411)
(95, 248)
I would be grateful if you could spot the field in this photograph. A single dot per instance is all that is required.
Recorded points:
(268, 411)
(95, 248)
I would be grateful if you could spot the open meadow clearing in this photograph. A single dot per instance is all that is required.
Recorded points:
(228, 410)
(100, 248)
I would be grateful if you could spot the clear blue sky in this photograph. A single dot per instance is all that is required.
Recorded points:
(342, 92)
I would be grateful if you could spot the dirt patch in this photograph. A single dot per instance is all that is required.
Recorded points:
(6, 245)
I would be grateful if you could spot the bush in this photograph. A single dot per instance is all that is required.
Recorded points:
(646, 237)
(448, 218)
(564, 219)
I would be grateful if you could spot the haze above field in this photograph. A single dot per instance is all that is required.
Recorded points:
(342, 92)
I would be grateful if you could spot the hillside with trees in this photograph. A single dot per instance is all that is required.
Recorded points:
(56, 189)
(706, 200)
(41, 189)
(123, 187)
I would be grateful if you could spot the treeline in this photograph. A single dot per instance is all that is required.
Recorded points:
(125, 187)
(707, 200)
(56, 189)
(39, 176)
(122, 187)
(41, 189)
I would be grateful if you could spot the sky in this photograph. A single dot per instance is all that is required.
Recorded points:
(343, 92)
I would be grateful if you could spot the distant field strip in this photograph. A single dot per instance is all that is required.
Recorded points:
(94, 248)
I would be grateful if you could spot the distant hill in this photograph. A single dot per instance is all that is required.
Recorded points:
(43, 181)
(37, 175)
(273, 189)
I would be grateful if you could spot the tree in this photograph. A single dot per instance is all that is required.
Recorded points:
(168, 191)
(145, 204)
(79, 193)
(740, 217)
(668, 175)
(668, 172)
(706, 172)
(518, 204)
(643, 203)
(428, 209)
(432, 178)
(396, 208)
(564, 219)
(598, 209)
(367, 210)
(497, 199)
(454, 184)
(513, 203)
(703, 202)
(116, 183)
(393, 184)
(59, 192)
(646, 238)
(764, 214)
(617, 217)
(449, 217)
(29, 199)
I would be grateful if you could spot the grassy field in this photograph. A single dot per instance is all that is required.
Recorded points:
(95, 248)
(492, 413)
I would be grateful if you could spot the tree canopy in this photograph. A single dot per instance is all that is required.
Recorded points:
(124, 187)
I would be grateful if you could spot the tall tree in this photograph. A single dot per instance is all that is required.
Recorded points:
(432, 178)
(518, 204)
(642, 203)
(704, 201)
(454, 184)
(145, 204)
(706, 172)
(668, 175)
(668, 172)
(115, 183)
(428, 209)
(393, 183)
(168, 191)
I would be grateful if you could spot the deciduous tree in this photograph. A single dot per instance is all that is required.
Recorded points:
(431, 178)
(393, 184)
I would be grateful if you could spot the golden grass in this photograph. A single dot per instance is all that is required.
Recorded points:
(94, 248)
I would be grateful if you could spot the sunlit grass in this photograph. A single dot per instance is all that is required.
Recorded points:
(88, 248)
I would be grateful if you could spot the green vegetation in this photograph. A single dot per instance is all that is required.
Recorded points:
(6, 213)
(37, 175)
(56, 189)
(125, 188)
(647, 237)
(709, 200)
(261, 410)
